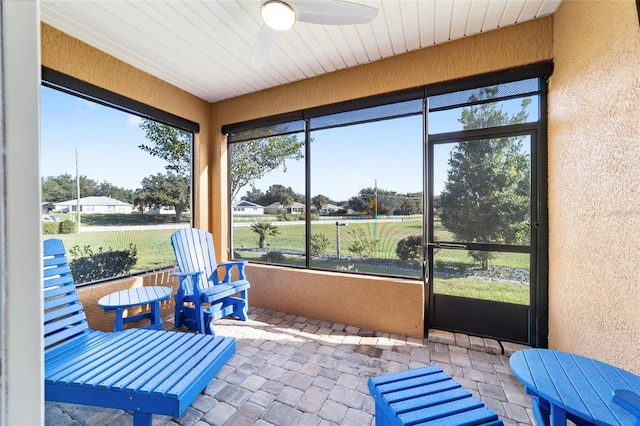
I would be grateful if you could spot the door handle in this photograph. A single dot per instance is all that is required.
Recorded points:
(448, 245)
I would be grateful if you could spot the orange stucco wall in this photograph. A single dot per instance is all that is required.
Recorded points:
(386, 304)
(380, 303)
(98, 319)
(594, 182)
(72, 57)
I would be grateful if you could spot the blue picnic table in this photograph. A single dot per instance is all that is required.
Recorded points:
(569, 386)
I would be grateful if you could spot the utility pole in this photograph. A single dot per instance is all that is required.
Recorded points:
(338, 225)
(375, 200)
(77, 190)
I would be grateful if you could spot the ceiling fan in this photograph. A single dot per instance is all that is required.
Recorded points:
(280, 15)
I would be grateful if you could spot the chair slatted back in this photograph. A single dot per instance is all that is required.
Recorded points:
(195, 252)
(64, 316)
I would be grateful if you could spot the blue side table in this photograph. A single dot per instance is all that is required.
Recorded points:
(569, 386)
(120, 300)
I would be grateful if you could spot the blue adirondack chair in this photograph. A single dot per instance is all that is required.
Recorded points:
(203, 296)
(628, 400)
(140, 370)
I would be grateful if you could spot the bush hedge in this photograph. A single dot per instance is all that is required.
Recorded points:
(89, 266)
(68, 227)
(50, 228)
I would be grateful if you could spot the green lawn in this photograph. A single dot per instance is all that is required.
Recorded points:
(155, 251)
(292, 236)
(482, 289)
(154, 246)
(388, 234)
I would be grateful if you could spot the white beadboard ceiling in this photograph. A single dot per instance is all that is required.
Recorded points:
(205, 46)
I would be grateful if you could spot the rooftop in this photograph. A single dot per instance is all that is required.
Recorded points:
(294, 370)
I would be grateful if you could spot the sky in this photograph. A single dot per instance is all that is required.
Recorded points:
(345, 160)
(387, 154)
(106, 141)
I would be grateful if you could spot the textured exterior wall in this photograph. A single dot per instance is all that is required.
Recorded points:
(98, 319)
(378, 303)
(77, 59)
(594, 182)
(374, 303)
(72, 57)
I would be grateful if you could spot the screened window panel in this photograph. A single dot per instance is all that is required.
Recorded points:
(503, 90)
(278, 129)
(382, 112)
(449, 120)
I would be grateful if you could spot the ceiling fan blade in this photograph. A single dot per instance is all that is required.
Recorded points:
(267, 38)
(334, 12)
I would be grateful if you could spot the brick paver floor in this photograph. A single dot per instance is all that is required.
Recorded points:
(293, 370)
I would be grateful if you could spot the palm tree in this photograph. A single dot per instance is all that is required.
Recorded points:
(264, 229)
(286, 200)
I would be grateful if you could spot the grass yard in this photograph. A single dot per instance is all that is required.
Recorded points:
(292, 236)
(483, 289)
(388, 233)
(155, 251)
(154, 246)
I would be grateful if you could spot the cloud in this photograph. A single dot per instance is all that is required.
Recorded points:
(134, 120)
(90, 105)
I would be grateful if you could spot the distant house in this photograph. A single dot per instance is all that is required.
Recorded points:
(94, 205)
(247, 207)
(276, 208)
(330, 208)
(161, 210)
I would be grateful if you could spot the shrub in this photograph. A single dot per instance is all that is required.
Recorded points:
(273, 257)
(440, 265)
(319, 244)
(410, 249)
(50, 227)
(68, 227)
(361, 245)
(462, 268)
(89, 266)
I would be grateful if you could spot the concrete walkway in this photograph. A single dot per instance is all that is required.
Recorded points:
(293, 370)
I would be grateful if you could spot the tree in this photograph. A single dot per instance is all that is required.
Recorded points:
(264, 229)
(275, 194)
(320, 201)
(250, 160)
(253, 159)
(63, 188)
(286, 200)
(409, 204)
(486, 195)
(169, 143)
(166, 190)
(373, 201)
(254, 195)
(107, 189)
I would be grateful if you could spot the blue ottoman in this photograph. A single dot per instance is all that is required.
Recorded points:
(426, 395)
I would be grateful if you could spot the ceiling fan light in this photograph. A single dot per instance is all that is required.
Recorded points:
(278, 15)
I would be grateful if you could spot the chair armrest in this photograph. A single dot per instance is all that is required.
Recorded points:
(186, 274)
(628, 400)
(228, 266)
(188, 284)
